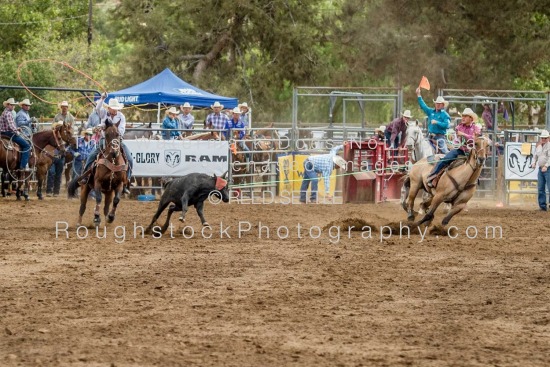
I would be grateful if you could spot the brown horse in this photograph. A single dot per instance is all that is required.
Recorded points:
(456, 186)
(45, 142)
(108, 176)
(9, 156)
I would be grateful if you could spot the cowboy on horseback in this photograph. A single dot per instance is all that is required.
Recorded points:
(10, 130)
(118, 119)
(438, 120)
(466, 131)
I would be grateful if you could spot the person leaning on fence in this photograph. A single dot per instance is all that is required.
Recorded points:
(397, 126)
(113, 113)
(186, 119)
(23, 120)
(55, 173)
(245, 114)
(10, 130)
(216, 120)
(234, 129)
(320, 164)
(542, 160)
(466, 131)
(171, 124)
(438, 120)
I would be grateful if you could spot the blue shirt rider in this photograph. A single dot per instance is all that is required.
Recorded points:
(24, 119)
(236, 123)
(438, 120)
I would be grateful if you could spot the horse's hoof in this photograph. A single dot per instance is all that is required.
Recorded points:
(181, 219)
(205, 224)
(410, 218)
(110, 218)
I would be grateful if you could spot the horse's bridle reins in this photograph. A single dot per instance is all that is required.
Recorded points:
(468, 184)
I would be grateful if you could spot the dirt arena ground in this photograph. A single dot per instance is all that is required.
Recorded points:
(250, 301)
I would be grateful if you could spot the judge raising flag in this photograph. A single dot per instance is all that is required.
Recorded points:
(424, 83)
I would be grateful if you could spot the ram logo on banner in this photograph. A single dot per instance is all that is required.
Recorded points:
(159, 158)
(518, 164)
(172, 157)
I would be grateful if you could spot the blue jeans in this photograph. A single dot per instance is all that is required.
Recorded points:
(24, 147)
(77, 168)
(543, 183)
(93, 156)
(445, 161)
(441, 141)
(309, 176)
(55, 174)
(392, 144)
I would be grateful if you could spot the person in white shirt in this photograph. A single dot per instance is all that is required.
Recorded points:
(113, 113)
(542, 159)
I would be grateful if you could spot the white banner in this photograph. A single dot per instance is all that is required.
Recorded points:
(517, 165)
(156, 158)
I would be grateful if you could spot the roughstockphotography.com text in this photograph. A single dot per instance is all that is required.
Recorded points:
(245, 229)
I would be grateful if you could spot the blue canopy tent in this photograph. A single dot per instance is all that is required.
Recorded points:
(167, 88)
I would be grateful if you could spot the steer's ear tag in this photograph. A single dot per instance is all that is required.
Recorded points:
(220, 183)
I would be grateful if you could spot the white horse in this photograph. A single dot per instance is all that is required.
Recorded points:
(418, 147)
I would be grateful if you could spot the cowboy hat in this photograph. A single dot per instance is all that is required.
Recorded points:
(339, 161)
(545, 134)
(381, 128)
(236, 110)
(468, 112)
(88, 131)
(115, 104)
(186, 105)
(56, 124)
(9, 101)
(173, 110)
(407, 114)
(217, 104)
(64, 104)
(244, 104)
(440, 99)
(25, 102)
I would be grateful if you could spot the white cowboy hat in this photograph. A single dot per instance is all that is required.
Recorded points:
(545, 134)
(217, 104)
(407, 114)
(88, 131)
(468, 112)
(440, 99)
(56, 124)
(244, 104)
(25, 102)
(64, 104)
(339, 161)
(236, 110)
(115, 104)
(381, 128)
(173, 110)
(9, 101)
(186, 105)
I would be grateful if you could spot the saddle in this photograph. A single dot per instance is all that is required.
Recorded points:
(456, 163)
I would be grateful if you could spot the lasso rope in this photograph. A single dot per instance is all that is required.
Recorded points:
(63, 63)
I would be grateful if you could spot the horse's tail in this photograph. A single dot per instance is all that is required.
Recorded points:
(71, 188)
(405, 191)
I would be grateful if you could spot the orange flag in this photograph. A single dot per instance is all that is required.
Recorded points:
(424, 83)
(233, 148)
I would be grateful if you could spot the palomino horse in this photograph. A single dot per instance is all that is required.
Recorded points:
(108, 176)
(456, 186)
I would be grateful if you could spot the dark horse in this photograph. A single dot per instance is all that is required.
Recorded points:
(108, 177)
(9, 157)
(55, 139)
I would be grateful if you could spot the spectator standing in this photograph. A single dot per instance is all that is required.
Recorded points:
(542, 160)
